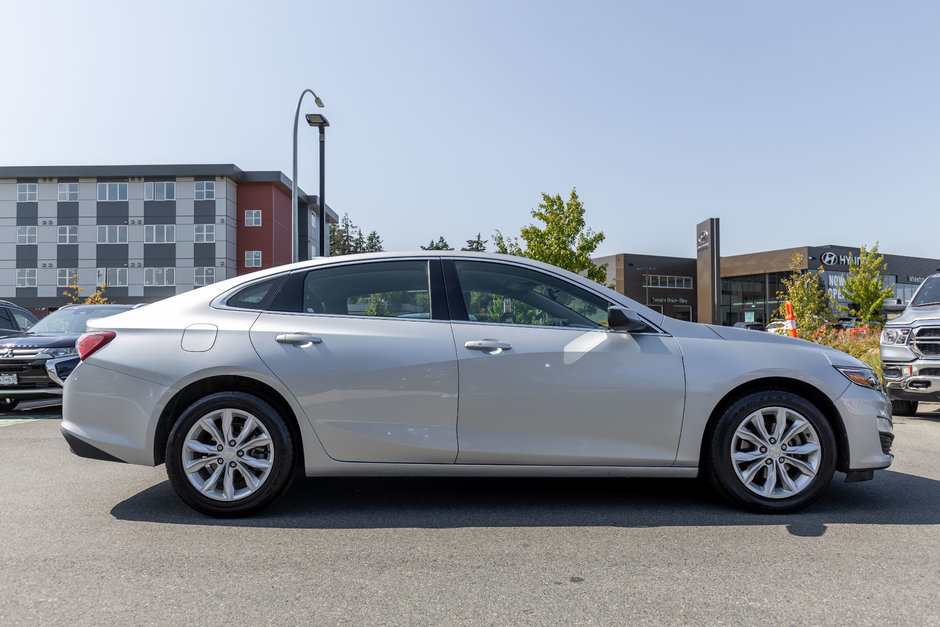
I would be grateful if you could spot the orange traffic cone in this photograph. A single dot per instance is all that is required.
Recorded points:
(790, 319)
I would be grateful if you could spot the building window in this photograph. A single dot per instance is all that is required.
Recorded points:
(65, 276)
(204, 276)
(160, 191)
(159, 277)
(68, 234)
(112, 234)
(26, 235)
(112, 191)
(26, 277)
(204, 233)
(662, 280)
(253, 217)
(160, 234)
(252, 258)
(112, 277)
(27, 192)
(68, 192)
(205, 190)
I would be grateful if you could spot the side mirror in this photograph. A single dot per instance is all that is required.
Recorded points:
(625, 320)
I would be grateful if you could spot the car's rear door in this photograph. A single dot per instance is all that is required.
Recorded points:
(369, 354)
(543, 381)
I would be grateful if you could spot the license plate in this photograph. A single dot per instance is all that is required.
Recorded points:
(7, 379)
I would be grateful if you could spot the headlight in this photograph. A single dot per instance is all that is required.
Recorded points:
(864, 377)
(61, 352)
(895, 335)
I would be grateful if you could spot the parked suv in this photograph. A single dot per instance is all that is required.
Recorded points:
(14, 319)
(34, 364)
(910, 351)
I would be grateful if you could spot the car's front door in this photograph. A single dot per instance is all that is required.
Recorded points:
(369, 357)
(543, 381)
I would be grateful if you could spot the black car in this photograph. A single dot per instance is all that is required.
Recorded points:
(35, 364)
(14, 319)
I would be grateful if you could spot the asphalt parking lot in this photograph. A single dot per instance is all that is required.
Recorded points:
(88, 542)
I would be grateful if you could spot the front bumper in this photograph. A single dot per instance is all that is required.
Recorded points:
(866, 415)
(37, 377)
(912, 381)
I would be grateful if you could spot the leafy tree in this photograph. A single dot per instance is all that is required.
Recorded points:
(346, 239)
(564, 239)
(74, 293)
(865, 287)
(440, 244)
(476, 245)
(810, 305)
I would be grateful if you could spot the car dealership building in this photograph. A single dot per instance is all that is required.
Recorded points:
(144, 232)
(750, 282)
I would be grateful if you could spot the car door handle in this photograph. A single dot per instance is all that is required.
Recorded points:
(487, 345)
(297, 338)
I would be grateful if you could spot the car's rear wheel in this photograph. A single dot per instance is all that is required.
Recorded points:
(772, 452)
(904, 408)
(8, 404)
(230, 454)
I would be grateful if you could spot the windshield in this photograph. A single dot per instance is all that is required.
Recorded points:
(928, 294)
(73, 319)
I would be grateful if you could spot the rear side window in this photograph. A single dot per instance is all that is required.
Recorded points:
(387, 289)
(257, 295)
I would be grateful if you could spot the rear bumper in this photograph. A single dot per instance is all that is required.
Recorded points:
(106, 413)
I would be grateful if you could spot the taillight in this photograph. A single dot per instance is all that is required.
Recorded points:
(90, 342)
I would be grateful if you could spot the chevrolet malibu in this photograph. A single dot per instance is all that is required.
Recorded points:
(456, 364)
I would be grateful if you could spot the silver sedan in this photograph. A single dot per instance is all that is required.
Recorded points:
(444, 363)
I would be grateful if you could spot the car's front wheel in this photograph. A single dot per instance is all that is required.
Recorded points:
(230, 454)
(772, 452)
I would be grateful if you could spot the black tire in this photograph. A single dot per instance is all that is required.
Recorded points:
(753, 477)
(904, 408)
(240, 468)
(8, 404)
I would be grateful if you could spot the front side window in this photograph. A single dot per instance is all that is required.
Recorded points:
(205, 190)
(108, 192)
(160, 190)
(159, 233)
(68, 192)
(27, 192)
(23, 321)
(204, 276)
(26, 277)
(253, 217)
(388, 289)
(68, 234)
(252, 258)
(112, 277)
(66, 277)
(505, 294)
(112, 234)
(204, 233)
(159, 277)
(26, 235)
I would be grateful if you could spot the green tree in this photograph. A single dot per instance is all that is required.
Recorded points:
(865, 287)
(563, 240)
(373, 243)
(476, 245)
(440, 244)
(810, 304)
(346, 239)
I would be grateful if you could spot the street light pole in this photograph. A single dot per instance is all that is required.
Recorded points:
(293, 194)
(317, 120)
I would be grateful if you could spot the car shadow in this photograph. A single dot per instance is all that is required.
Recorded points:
(441, 503)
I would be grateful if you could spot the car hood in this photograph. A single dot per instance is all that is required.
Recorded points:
(40, 340)
(915, 314)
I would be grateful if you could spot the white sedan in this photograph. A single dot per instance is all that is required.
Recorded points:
(446, 363)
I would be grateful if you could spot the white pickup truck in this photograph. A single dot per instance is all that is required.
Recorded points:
(910, 351)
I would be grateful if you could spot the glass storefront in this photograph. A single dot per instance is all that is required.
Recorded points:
(750, 298)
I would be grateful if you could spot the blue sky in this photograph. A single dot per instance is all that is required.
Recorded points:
(795, 123)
